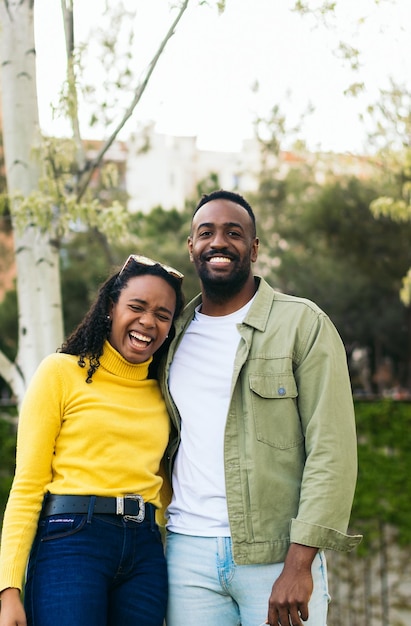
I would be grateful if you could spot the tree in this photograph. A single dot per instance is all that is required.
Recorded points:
(33, 249)
(338, 255)
(47, 184)
(322, 242)
(369, 258)
(391, 118)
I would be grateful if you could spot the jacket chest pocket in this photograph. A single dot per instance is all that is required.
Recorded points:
(275, 411)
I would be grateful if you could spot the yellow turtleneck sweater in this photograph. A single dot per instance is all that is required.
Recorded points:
(106, 438)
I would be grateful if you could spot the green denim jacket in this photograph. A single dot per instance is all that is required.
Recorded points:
(290, 439)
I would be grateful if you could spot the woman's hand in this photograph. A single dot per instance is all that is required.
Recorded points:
(12, 612)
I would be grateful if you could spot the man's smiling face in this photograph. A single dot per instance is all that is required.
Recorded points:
(222, 245)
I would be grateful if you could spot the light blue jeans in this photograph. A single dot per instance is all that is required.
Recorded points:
(207, 588)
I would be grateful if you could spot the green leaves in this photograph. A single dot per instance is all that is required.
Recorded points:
(54, 206)
(384, 479)
(397, 209)
(40, 210)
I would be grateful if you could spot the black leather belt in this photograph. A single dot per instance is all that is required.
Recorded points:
(131, 506)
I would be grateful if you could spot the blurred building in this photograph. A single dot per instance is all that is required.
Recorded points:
(155, 169)
(164, 170)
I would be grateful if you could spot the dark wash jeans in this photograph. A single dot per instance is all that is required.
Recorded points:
(98, 570)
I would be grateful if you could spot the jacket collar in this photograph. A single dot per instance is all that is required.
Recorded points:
(260, 310)
(257, 316)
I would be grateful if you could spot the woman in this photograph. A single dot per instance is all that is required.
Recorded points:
(92, 432)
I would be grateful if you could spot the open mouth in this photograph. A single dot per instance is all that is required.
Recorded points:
(216, 260)
(139, 340)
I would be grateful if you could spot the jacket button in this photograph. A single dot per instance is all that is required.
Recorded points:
(281, 391)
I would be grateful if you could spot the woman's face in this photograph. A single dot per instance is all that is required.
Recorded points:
(142, 317)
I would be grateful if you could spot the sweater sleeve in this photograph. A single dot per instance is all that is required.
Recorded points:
(39, 425)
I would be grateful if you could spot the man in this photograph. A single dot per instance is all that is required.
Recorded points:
(264, 459)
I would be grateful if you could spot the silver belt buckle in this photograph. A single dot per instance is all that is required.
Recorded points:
(141, 507)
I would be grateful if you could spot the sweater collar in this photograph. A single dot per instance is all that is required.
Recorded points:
(113, 362)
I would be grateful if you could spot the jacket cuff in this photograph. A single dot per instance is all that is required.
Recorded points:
(322, 537)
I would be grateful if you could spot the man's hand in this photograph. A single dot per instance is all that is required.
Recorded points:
(291, 592)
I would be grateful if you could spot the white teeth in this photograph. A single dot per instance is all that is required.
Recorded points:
(139, 337)
(220, 259)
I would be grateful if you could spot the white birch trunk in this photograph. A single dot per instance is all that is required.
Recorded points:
(37, 260)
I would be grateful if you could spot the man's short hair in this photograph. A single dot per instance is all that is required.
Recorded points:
(222, 194)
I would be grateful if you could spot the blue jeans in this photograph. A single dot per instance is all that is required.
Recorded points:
(207, 588)
(98, 570)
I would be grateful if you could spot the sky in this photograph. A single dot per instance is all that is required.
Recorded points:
(204, 84)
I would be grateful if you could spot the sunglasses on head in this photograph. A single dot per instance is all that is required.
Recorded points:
(145, 260)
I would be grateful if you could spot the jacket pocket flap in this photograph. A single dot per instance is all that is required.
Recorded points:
(274, 385)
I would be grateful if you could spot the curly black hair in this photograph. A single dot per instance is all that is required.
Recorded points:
(87, 340)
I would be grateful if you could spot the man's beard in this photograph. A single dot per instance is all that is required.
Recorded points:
(219, 289)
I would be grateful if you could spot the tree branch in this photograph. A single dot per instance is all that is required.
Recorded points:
(137, 97)
(12, 374)
(68, 20)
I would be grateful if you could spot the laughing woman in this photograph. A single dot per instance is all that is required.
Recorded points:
(92, 432)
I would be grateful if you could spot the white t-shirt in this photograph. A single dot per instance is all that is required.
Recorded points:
(200, 383)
